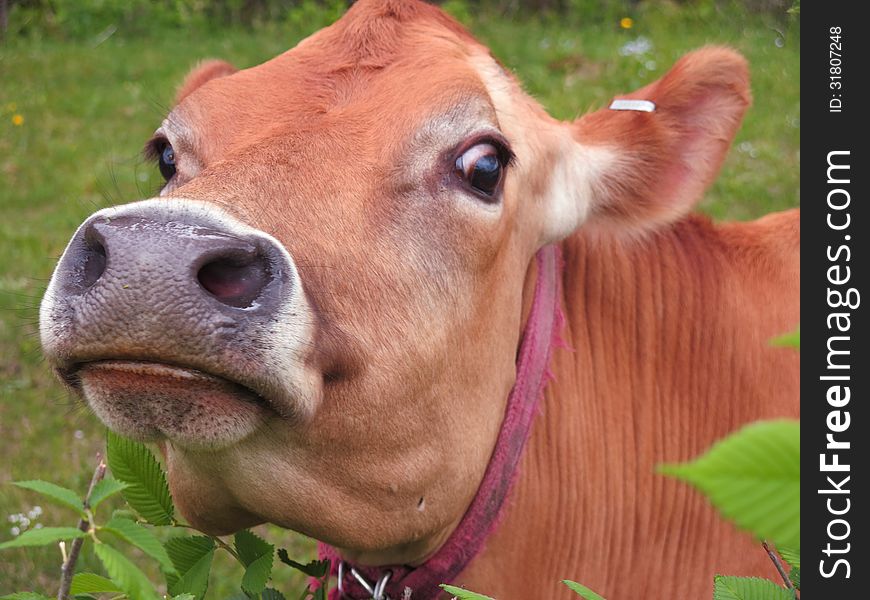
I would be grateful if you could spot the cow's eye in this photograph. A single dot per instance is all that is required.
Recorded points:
(166, 161)
(481, 168)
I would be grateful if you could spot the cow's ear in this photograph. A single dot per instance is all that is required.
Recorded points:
(201, 74)
(651, 154)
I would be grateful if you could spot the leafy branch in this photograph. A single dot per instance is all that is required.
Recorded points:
(68, 567)
(185, 560)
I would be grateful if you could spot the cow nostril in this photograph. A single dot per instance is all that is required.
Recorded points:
(234, 281)
(94, 263)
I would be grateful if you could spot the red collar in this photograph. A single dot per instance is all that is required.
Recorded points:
(539, 335)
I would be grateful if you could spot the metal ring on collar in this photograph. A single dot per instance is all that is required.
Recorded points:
(381, 586)
(376, 591)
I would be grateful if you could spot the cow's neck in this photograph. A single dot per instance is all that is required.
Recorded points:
(542, 318)
(651, 324)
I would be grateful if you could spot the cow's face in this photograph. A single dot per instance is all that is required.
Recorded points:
(318, 318)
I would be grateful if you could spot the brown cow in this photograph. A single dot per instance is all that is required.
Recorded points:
(319, 320)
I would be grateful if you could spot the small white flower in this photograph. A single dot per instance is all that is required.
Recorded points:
(636, 47)
(79, 434)
(38, 526)
(15, 531)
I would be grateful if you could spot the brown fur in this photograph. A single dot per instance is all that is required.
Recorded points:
(202, 74)
(670, 339)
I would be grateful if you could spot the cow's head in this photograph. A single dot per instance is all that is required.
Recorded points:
(318, 318)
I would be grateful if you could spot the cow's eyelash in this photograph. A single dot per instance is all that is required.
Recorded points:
(154, 147)
(509, 158)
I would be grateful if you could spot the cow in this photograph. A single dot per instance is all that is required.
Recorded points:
(386, 301)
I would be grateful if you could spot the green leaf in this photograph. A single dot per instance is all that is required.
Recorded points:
(753, 477)
(192, 558)
(463, 594)
(790, 555)
(43, 537)
(125, 574)
(582, 590)
(25, 596)
(124, 513)
(104, 489)
(147, 493)
(795, 578)
(257, 575)
(315, 568)
(271, 594)
(788, 340)
(257, 555)
(141, 537)
(184, 597)
(184, 552)
(85, 583)
(748, 588)
(251, 546)
(59, 495)
(194, 581)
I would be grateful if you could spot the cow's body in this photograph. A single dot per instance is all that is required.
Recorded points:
(670, 337)
(318, 320)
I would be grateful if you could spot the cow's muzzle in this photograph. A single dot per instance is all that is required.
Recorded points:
(174, 319)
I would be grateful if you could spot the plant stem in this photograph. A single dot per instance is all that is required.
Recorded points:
(228, 548)
(216, 540)
(69, 565)
(778, 564)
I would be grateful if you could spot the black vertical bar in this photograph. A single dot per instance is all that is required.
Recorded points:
(835, 223)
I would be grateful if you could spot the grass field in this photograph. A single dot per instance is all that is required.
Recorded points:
(74, 115)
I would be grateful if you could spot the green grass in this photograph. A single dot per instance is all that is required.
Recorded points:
(87, 108)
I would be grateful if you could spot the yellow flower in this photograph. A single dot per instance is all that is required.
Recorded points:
(17, 120)
(626, 22)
